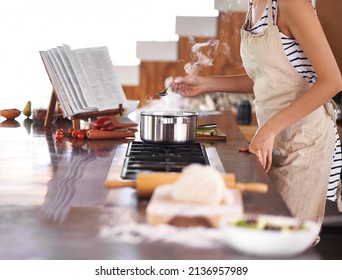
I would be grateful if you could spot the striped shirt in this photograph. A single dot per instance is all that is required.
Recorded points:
(301, 63)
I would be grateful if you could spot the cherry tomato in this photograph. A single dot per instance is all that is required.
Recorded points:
(60, 130)
(81, 135)
(59, 136)
(75, 133)
(70, 131)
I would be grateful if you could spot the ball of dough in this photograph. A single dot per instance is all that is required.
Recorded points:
(199, 184)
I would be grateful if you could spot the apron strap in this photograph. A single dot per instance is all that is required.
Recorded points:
(270, 21)
(276, 14)
(248, 16)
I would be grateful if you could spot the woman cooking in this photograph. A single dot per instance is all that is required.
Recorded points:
(293, 74)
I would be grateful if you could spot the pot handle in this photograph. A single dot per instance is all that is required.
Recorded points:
(173, 120)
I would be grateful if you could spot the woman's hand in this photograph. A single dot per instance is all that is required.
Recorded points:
(261, 145)
(188, 86)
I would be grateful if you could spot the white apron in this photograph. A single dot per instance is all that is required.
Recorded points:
(303, 152)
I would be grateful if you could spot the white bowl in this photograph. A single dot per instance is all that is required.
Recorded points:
(271, 243)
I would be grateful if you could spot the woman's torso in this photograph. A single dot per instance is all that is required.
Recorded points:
(289, 52)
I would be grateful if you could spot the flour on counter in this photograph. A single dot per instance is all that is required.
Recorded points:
(144, 233)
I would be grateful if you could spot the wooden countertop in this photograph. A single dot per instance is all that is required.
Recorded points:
(53, 204)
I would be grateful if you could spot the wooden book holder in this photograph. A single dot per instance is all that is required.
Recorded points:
(77, 118)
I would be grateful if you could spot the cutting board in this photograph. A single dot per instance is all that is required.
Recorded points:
(162, 209)
(219, 136)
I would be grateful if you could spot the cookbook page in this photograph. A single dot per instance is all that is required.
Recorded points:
(88, 97)
(101, 78)
(66, 83)
(50, 67)
(72, 81)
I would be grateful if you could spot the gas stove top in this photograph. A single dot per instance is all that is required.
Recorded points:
(141, 156)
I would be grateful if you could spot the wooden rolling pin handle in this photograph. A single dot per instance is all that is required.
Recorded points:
(251, 187)
(117, 184)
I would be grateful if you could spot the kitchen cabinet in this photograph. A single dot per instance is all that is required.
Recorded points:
(53, 204)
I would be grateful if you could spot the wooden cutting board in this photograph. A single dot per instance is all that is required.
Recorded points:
(162, 209)
(219, 136)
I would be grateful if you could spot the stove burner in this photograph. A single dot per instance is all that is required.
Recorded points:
(146, 157)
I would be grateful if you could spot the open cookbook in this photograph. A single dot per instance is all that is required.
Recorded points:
(84, 80)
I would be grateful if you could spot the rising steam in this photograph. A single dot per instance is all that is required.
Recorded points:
(202, 55)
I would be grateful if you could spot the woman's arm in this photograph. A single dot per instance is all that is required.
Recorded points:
(196, 85)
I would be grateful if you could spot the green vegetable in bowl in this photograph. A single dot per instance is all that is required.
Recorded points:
(246, 224)
(264, 224)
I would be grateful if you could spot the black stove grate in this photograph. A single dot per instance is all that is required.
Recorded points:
(148, 157)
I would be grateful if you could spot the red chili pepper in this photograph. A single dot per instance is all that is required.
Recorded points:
(107, 125)
(104, 124)
(100, 122)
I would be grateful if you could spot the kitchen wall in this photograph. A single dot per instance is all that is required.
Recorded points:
(329, 13)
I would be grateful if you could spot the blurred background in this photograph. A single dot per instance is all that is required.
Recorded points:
(148, 40)
(28, 26)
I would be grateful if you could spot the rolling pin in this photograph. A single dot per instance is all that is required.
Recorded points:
(146, 182)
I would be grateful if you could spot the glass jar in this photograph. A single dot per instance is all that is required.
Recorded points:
(244, 112)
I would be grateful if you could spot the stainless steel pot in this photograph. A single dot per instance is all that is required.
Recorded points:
(168, 127)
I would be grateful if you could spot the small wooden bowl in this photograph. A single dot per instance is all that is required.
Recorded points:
(10, 114)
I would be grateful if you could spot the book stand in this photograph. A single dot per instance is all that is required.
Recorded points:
(77, 118)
